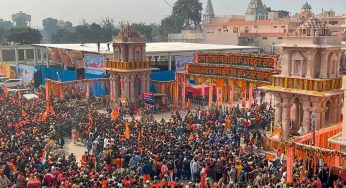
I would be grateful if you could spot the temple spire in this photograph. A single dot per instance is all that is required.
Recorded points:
(256, 10)
(208, 12)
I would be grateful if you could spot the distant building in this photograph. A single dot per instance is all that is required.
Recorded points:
(21, 19)
(259, 26)
(256, 11)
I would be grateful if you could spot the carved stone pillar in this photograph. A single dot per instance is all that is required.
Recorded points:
(310, 70)
(126, 87)
(147, 81)
(306, 119)
(116, 88)
(132, 89)
(278, 109)
(122, 53)
(143, 53)
(324, 65)
(316, 108)
(131, 55)
(111, 88)
(322, 118)
(286, 118)
(143, 84)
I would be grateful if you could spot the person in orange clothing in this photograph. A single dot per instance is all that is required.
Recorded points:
(12, 166)
(104, 182)
(84, 160)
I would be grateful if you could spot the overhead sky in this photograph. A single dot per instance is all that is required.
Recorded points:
(149, 11)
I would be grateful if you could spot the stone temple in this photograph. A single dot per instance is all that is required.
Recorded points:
(129, 70)
(308, 90)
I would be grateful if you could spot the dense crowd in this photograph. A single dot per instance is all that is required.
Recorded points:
(205, 148)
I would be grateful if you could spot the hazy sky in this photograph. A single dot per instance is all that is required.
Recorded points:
(149, 11)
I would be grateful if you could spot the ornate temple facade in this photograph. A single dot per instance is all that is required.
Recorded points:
(307, 91)
(129, 70)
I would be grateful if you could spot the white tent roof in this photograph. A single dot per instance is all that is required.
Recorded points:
(156, 49)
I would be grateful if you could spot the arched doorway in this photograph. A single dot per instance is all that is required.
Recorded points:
(296, 115)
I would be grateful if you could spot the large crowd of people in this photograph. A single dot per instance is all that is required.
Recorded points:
(218, 147)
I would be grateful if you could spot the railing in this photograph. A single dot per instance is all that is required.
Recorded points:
(127, 65)
(308, 84)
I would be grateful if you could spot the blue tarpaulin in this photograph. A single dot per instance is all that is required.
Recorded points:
(163, 76)
(98, 88)
(58, 75)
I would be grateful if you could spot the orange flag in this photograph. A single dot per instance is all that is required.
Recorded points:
(6, 90)
(13, 100)
(24, 113)
(115, 113)
(188, 104)
(19, 95)
(127, 131)
(44, 116)
(51, 110)
(191, 137)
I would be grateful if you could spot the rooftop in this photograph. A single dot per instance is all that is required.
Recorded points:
(154, 48)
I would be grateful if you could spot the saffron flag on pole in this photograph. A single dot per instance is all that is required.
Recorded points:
(6, 90)
(127, 131)
(19, 95)
(13, 100)
(24, 113)
(115, 113)
(188, 103)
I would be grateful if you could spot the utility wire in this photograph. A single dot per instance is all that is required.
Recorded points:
(168, 3)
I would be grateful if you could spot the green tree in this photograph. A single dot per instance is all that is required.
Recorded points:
(148, 31)
(63, 36)
(170, 24)
(189, 12)
(186, 14)
(23, 36)
(2, 35)
(50, 25)
(108, 29)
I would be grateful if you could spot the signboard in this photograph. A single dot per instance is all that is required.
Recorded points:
(147, 96)
(180, 62)
(229, 72)
(240, 59)
(25, 73)
(68, 57)
(94, 61)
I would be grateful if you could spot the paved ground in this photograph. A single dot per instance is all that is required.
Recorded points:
(77, 149)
